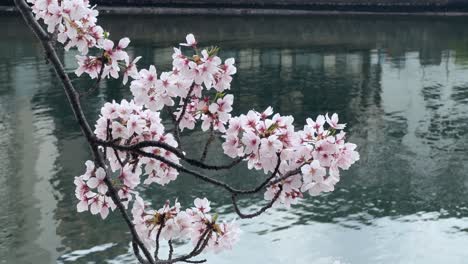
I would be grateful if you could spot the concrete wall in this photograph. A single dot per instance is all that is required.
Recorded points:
(316, 5)
(319, 5)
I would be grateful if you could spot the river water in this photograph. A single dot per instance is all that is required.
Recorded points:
(401, 84)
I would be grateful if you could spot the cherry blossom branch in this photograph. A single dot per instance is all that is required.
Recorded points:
(170, 110)
(197, 250)
(73, 98)
(175, 151)
(171, 249)
(284, 176)
(156, 251)
(267, 180)
(99, 78)
(136, 251)
(208, 142)
(188, 171)
(215, 182)
(182, 113)
(259, 212)
(194, 261)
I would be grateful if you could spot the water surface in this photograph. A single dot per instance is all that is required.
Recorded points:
(400, 83)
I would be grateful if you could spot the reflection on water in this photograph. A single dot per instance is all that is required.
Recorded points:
(402, 87)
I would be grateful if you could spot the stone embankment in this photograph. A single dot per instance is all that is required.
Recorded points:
(277, 7)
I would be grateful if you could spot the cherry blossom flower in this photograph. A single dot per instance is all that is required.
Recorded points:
(130, 69)
(203, 205)
(333, 122)
(97, 182)
(190, 41)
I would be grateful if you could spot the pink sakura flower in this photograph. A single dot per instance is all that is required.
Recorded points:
(223, 78)
(130, 69)
(82, 205)
(234, 126)
(222, 107)
(226, 239)
(119, 131)
(101, 205)
(89, 170)
(88, 64)
(98, 181)
(203, 205)
(251, 142)
(125, 194)
(53, 17)
(81, 189)
(149, 76)
(232, 147)
(135, 124)
(249, 122)
(270, 146)
(190, 41)
(313, 171)
(317, 125)
(318, 186)
(324, 151)
(347, 156)
(119, 53)
(129, 177)
(268, 112)
(333, 121)
(110, 110)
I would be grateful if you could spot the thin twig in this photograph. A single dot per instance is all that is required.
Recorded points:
(156, 250)
(171, 249)
(136, 251)
(208, 142)
(259, 212)
(197, 250)
(195, 261)
(182, 113)
(99, 77)
(149, 143)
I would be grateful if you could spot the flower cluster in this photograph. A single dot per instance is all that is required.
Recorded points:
(91, 191)
(189, 77)
(330, 152)
(126, 124)
(75, 24)
(270, 142)
(195, 224)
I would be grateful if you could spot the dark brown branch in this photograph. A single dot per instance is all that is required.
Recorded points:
(171, 249)
(184, 107)
(182, 113)
(208, 142)
(175, 151)
(136, 251)
(170, 111)
(191, 172)
(284, 176)
(99, 78)
(73, 98)
(259, 212)
(272, 176)
(210, 180)
(194, 261)
(197, 250)
(156, 251)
